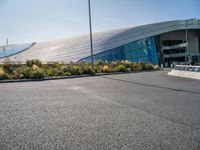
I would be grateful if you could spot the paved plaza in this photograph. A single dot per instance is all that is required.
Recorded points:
(141, 111)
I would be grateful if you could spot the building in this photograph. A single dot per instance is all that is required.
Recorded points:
(159, 43)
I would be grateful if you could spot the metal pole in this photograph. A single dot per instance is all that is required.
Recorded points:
(7, 42)
(91, 41)
(186, 40)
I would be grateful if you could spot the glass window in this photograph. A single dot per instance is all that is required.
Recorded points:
(139, 51)
(9, 50)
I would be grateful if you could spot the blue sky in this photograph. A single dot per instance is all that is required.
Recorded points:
(40, 20)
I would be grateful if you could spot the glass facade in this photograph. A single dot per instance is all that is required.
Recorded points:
(138, 51)
(9, 50)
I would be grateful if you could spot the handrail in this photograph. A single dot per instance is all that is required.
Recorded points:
(187, 68)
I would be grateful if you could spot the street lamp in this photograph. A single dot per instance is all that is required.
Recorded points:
(91, 41)
(186, 40)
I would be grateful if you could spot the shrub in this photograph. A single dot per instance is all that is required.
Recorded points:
(29, 72)
(29, 63)
(32, 62)
(35, 67)
(63, 70)
(21, 76)
(22, 71)
(54, 72)
(87, 69)
(36, 74)
(7, 65)
(105, 68)
(4, 76)
(97, 69)
(156, 67)
(1, 76)
(38, 63)
(142, 65)
(114, 63)
(74, 69)
(128, 69)
(67, 74)
(61, 73)
(149, 67)
(136, 67)
(11, 76)
(2, 73)
(139, 67)
(49, 72)
(127, 64)
(119, 68)
(99, 62)
(52, 64)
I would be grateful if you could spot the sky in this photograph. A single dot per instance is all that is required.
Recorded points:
(23, 21)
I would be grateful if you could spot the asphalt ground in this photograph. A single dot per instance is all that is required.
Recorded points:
(141, 111)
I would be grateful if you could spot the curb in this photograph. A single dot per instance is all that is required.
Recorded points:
(45, 79)
(68, 77)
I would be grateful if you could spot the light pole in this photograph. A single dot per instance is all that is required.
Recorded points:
(186, 40)
(91, 41)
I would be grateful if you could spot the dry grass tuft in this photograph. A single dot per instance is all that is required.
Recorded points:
(2, 71)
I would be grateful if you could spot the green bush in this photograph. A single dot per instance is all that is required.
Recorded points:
(29, 63)
(32, 62)
(3, 76)
(142, 65)
(22, 71)
(149, 67)
(29, 72)
(74, 69)
(139, 67)
(96, 69)
(7, 65)
(126, 63)
(119, 68)
(6, 76)
(21, 76)
(49, 72)
(35, 69)
(67, 74)
(54, 72)
(99, 62)
(133, 68)
(36, 74)
(61, 73)
(87, 69)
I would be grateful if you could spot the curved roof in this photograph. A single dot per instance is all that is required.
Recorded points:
(76, 48)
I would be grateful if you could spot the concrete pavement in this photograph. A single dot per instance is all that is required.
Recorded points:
(148, 110)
